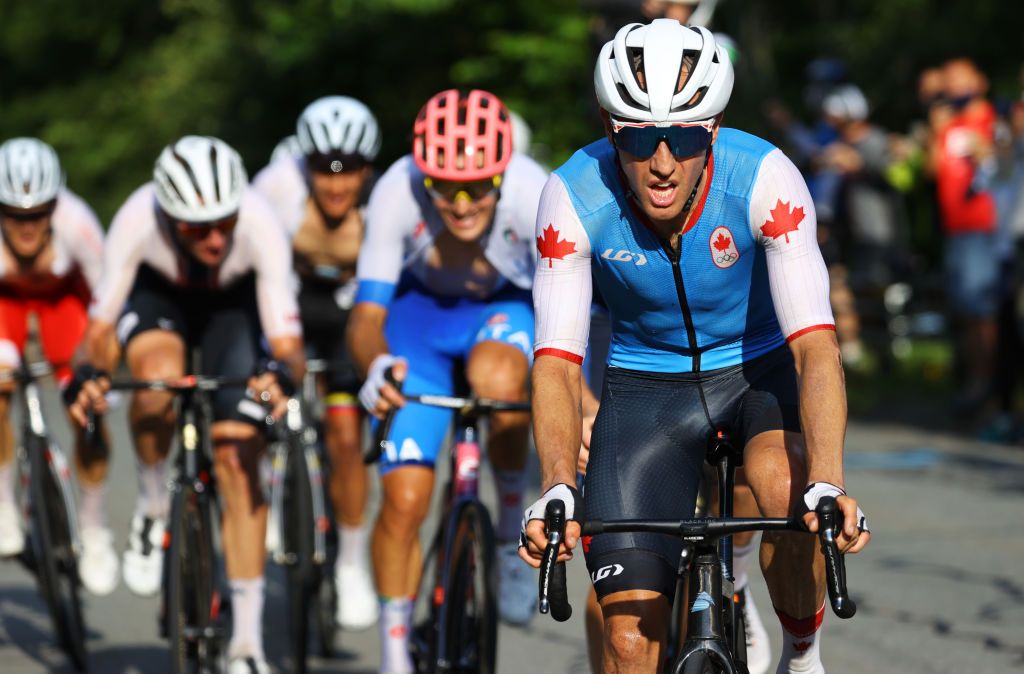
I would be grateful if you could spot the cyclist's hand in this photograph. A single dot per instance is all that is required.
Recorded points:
(533, 540)
(266, 388)
(855, 533)
(377, 394)
(87, 391)
(583, 459)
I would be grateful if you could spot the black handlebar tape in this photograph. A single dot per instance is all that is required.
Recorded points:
(829, 522)
(375, 450)
(554, 595)
(91, 433)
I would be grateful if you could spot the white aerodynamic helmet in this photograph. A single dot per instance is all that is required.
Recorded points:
(199, 178)
(846, 102)
(656, 51)
(338, 124)
(30, 173)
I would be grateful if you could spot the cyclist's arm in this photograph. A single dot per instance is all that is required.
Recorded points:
(562, 291)
(782, 219)
(275, 296)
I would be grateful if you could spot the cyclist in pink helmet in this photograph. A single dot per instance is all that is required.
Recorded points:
(445, 275)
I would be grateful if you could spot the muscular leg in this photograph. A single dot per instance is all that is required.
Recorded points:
(397, 556)
(349, 480)
(498, 370)
(793, 568)
(635, 629)
(6, 428)
(154, 354)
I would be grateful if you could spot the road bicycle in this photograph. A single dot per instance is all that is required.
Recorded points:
(715, 635)
(456, 618)
(49, 506)
(192, 615)
(300, 519)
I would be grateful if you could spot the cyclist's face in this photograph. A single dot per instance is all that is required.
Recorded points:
(662, 183)
(209, 246)
(337, 193)
(26, 231)
(467, 219)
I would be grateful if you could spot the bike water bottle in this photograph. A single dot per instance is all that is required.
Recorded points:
(467, 468)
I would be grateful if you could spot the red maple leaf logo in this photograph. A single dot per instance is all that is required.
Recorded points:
(801, 646)
(550, 247)
(784, 220)
(586, 543)
(722, 242)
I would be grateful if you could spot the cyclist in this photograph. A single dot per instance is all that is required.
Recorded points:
(316, 196)
(701, 240)
(445, 275)
(51, 263)
(196, 258)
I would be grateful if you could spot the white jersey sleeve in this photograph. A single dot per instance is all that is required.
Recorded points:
(782, 219)
(391, 215)
(562, 284)
(78, 234)
(284, 187)
(270, 254)
(132, 229)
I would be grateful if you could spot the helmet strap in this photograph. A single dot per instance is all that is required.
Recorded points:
(689, 201)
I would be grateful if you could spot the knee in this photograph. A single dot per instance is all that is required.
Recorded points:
(500, 372)
(777, 483)
(344, 433)
(626, 644)
(404, 510)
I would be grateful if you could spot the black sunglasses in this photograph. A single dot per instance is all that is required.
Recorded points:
(641, 139)
(335, 162)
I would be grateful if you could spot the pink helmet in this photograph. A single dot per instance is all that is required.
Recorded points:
(476, 126)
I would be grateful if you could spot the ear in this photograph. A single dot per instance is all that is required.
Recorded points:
(718, 125)
(606, 121)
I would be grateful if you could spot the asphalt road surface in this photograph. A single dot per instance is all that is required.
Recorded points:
(940, 589)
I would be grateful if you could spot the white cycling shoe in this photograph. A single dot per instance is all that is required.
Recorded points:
(98, 566)
(358, 608)
(144, 557)
(759, 649)
(12, 538)
(248, 665)
(517, 586)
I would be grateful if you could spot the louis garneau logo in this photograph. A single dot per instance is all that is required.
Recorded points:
(606, 572)
(625, 256)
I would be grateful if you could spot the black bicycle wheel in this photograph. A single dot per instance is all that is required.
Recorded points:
(192, 604)
(326, 610)
(471, 629)
(54, 558)
(298, 537)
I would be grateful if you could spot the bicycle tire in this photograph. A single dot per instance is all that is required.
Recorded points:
(302, 572)
(699, 663)
(192, 604)
(471, 629)
(54, 559)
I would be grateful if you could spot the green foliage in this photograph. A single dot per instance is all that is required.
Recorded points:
(110, 82)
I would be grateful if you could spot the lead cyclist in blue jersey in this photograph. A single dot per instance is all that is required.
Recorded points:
(701, 240)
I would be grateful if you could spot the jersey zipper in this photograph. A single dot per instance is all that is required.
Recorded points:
(684, 306)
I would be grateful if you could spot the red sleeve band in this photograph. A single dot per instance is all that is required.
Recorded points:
(810, 328)
(559, 353)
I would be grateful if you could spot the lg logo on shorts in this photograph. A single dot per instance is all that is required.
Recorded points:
(605, 571)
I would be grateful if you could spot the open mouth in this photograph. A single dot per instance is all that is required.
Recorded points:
(662, 194)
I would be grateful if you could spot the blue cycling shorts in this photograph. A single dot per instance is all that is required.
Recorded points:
(433, 334)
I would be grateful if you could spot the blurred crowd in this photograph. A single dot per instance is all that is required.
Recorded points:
(920, 228)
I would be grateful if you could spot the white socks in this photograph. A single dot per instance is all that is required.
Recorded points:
(510, 484)
(801, 644)
(741, 555)
(153, 498)
(7, 483)
(352, 547)
(247, 618)
(92, 508)
(395, 624)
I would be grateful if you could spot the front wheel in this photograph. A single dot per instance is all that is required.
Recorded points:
(471, 622)
(699, 663)
(53, 556)
(303, 574)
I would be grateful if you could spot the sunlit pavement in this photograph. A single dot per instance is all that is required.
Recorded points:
(940, 589)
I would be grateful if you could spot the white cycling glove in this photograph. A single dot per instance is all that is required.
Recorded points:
(369, 394)
(816, 490)
(563, 492)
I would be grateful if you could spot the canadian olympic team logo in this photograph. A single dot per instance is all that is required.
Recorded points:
(724, 252)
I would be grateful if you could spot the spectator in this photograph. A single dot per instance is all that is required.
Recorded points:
(962, 156)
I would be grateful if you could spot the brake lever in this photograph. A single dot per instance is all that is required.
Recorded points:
(554, 595)
(835, 565)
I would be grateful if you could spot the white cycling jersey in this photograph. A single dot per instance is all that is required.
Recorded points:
(402, 225)
(77, 241)
(258, 245)
(283, 184)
